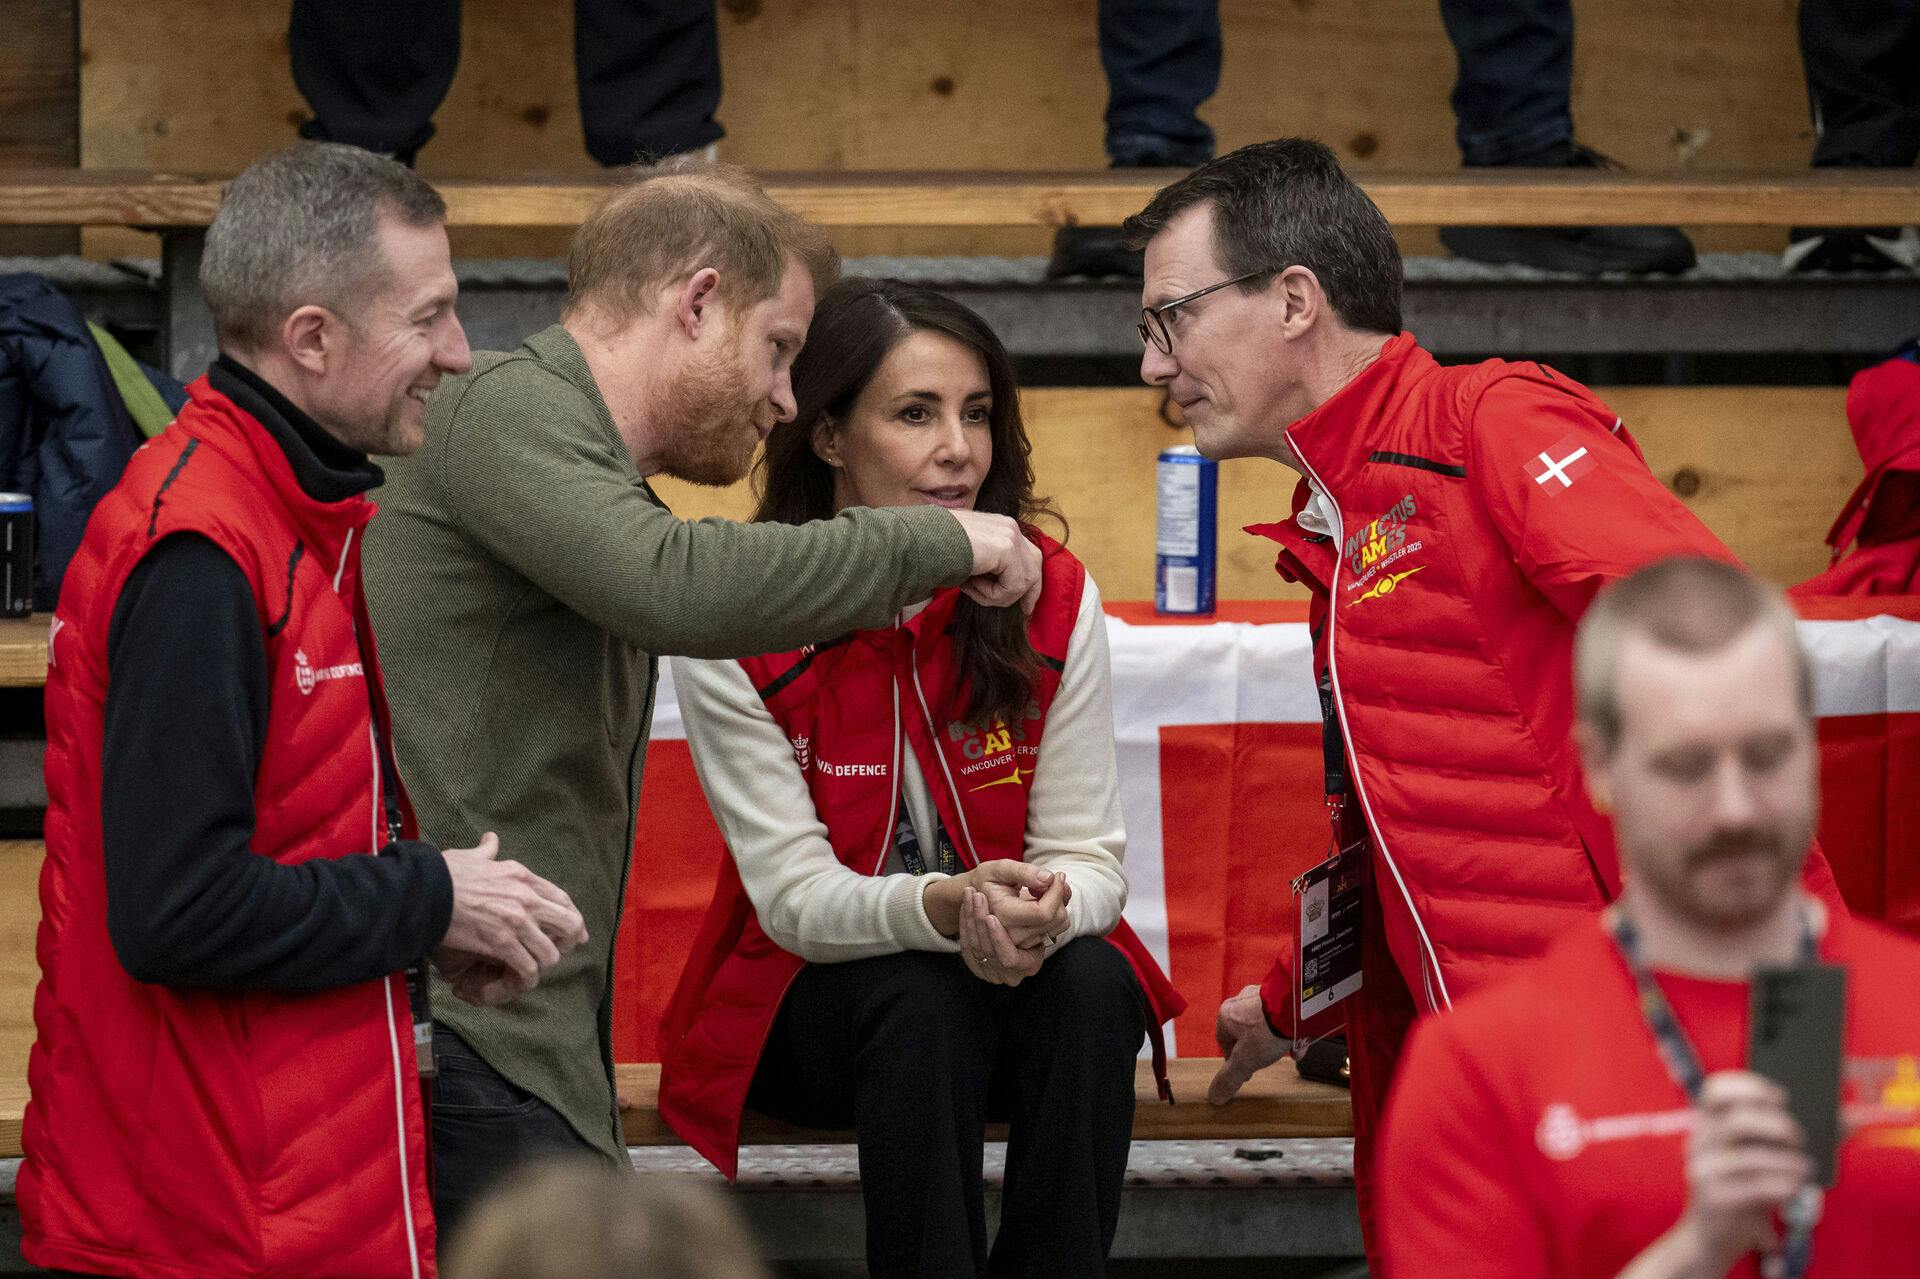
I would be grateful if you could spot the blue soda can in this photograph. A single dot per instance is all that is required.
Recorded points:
(16, 554)
(1186, 532)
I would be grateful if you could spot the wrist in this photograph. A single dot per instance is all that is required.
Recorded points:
(941, 901)
(1681, 1253)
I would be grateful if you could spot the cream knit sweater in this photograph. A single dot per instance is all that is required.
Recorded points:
(813, 906)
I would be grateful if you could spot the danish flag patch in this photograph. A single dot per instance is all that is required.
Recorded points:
(1556, 469)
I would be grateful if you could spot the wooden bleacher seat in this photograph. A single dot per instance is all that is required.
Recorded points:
(1276, 1103)
(23, 651)
(1831, 197)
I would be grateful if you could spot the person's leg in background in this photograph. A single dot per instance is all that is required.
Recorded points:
(484, 1127)
(649, 76)
(1162, 61)
(900, 1048)
(374, 71)
(1512, 106)
(1862, 59)
(1070, 1036)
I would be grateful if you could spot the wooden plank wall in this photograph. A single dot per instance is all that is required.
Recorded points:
(1705, 85)
(39, 105)
(1765, 468)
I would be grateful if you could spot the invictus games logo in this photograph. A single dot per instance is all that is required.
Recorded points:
(303, 671)
(1382, 536)
(802, 751)
(985, 740)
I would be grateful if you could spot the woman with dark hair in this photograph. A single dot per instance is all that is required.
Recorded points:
(919, 928)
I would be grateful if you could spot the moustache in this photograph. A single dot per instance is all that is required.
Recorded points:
(1735, 843)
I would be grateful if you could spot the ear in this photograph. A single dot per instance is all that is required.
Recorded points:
(1302, 299)
(1596, 762)
(693, 305)
(825, 441)
(309, 336)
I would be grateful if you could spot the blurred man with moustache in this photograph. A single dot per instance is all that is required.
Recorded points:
(525, 579)
(235, 909)
(1591, 1116)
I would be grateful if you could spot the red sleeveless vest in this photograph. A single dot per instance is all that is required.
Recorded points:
(184, 1132)
(850, 708)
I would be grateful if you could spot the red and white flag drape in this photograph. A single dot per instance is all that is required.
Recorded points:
(1218, 731)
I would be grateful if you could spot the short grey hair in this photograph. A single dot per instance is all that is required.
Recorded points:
(298, 228)
(1689, 604)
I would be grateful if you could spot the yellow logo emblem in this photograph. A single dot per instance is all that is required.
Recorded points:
(1385, 586)
(1012, 779)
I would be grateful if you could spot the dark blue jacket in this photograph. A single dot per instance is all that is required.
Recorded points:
(65, 436)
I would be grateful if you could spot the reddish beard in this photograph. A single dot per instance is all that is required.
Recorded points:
(713, 416)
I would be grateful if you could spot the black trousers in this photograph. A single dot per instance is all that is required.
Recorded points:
(484, 1126)
(917, 1055)
(374, 72)
(1863, 80)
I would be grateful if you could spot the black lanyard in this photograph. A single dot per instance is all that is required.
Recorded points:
(1683, 1063)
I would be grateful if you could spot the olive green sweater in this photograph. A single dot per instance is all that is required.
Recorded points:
(523, 580)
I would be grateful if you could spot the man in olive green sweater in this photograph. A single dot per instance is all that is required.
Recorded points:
(523, 580)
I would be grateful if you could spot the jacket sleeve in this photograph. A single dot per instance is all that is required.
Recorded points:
(1574, 525)
(1073, 812)
(1451, 1202)
(189, 903)
(807, 901)
(537, 479)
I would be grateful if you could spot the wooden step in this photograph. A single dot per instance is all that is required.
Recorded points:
(72, 197)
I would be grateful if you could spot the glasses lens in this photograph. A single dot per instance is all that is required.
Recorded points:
(1154, 329)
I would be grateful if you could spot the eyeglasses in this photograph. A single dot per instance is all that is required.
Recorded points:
(1153, 319)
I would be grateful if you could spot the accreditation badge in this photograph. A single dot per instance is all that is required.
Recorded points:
(1327, 957)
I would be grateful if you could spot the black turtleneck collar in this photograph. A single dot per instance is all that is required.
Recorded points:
(326, 469)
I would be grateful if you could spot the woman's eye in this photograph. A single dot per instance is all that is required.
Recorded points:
(915, 413)
(979, 416)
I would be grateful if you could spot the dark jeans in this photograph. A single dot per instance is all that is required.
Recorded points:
(917, 1055)
(374, 72)
(483, 1127)
(1513, 96)
(1162, 59)
(1863, 80)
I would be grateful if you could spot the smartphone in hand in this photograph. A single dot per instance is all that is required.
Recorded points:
(1796, 1035)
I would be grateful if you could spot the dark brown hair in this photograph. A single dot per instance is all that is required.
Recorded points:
(1288, 203)
(856, 324)
(680, 216)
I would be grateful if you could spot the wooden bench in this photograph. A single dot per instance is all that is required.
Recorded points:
(1832, 197)
(1276, 1103)
(181, 206)
(23, 651)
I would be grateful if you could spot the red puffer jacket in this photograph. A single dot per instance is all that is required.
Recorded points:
(861, 703)
(179, 1132)
(1478, 511)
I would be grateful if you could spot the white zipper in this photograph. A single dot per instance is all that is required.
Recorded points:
(953, 787)
(893, 809)
(1430, 962)
(373, 743)
(341, 572)
(400, 1120)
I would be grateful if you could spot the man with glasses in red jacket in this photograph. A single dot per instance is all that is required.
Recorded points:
(1453, 524)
